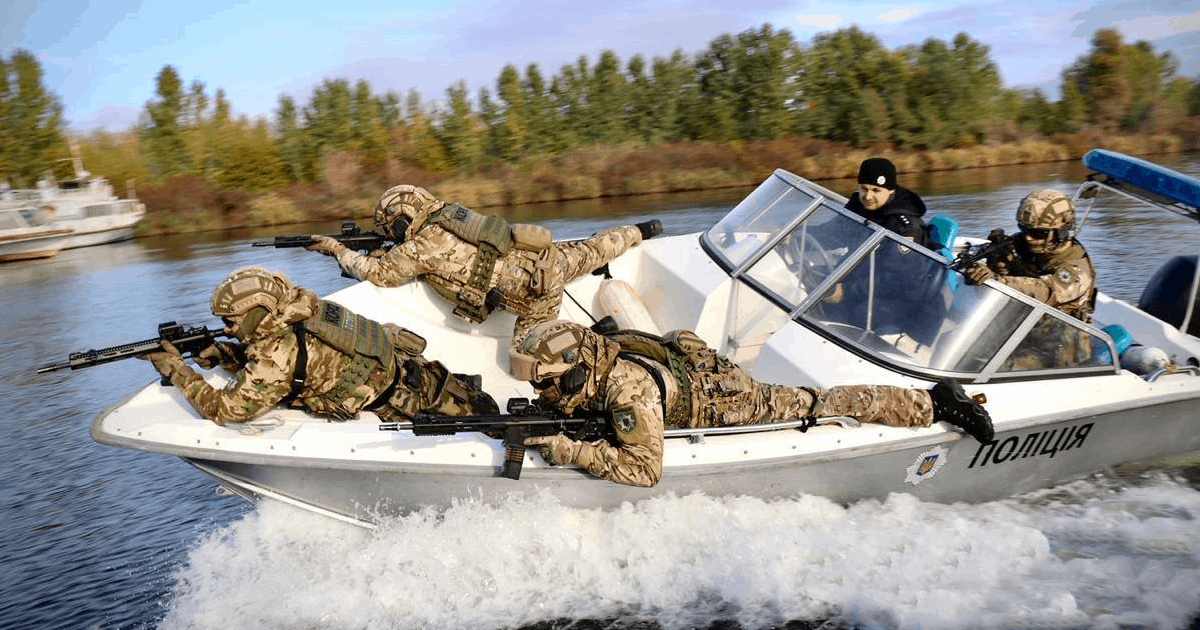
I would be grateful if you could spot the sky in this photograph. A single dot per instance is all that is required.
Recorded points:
(101, 56)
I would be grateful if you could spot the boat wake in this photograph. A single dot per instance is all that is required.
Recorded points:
(1090, 554)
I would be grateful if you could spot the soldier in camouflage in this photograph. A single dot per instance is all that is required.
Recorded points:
(1054, 268)
(649, 383)
(297, 350)
(478, 263)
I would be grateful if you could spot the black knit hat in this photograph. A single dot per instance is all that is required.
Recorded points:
(877, 172)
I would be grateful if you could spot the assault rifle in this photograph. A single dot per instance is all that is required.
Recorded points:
(189, 340)
(1000, 247)
(523, 420)
(351, 236)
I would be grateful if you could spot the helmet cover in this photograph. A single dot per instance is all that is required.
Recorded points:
(404, 201)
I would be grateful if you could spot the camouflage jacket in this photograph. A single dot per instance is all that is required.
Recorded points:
(1065, 280)
(265, 380)
(524, 278)
(639, 392)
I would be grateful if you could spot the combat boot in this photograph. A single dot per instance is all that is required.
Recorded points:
(649, 228)
(951, 404)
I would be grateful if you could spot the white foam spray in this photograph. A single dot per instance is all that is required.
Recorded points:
(1081, 556)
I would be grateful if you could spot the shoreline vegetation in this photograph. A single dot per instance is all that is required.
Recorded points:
(191, 204)
(719, 118)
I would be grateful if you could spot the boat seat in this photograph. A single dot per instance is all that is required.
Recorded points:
(942, 232)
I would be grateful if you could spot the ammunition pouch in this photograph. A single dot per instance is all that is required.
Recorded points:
(492, 238)
(364, 340)
(531, 238)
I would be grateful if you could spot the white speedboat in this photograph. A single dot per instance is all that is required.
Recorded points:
(85, 208)
(800, 292)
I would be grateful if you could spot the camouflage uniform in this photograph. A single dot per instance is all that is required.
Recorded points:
(464, 256)
(1055, 270)
(350, 363)
(651, 383)
(1060, 274)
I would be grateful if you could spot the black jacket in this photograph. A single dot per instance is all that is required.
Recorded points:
(901, 215)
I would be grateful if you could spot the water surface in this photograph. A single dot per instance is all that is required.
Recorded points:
(98, 537)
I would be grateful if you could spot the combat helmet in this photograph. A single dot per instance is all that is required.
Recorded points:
(402, 210)
(1043, 213)
(252, 292)
(564, 361)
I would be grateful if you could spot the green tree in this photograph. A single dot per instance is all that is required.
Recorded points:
(713, 114)
(31, 124)
(291, 144)
(370, 137)
(672, 78)
(957, 86)
(764, 78)
(328, 117)
(837, 72)
(512, 125)
(607, 99)
(164, 135)
(460, 128)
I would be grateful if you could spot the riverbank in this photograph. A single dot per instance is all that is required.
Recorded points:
(190, 204)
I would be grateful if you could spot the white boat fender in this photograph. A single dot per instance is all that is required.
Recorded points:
(1143, 360)
(618, 299)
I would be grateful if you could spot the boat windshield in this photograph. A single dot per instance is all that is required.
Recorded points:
(890, 300)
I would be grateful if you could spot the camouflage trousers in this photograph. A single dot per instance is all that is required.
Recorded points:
(734, 398)
(427, 386)
(562, 263)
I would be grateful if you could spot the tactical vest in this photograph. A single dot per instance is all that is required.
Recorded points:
(669, 350)
(493, 237)
(362, 339)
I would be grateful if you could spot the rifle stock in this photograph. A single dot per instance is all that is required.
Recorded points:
(351, 236)
(523, 420)
(188, 340)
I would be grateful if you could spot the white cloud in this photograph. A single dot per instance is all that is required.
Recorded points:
(1158, 26)
(896, 15)
(819, 21)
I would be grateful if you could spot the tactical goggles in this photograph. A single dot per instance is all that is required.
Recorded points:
(1039, 233)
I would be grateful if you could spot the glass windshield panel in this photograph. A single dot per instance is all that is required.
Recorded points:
(910, 307)
(892, 299)
(1056, 344)
(762, 214)
(803, 259)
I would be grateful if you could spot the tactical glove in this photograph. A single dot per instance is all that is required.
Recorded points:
(212, 356)
(951, 404)
(325, 245)
(650, 228)
(167, 361)
(979, 273)
(557, 449)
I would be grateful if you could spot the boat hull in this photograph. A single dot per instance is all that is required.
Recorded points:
(370, 475)
(41, 244)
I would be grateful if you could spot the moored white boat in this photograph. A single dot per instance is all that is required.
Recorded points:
(757, 287)
(26, 234)
(84, 208)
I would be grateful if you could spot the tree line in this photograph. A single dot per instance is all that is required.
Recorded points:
(758, 85)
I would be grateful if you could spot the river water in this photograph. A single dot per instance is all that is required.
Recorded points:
(96, 537)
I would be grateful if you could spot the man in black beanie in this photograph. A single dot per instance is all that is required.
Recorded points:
(880, 200)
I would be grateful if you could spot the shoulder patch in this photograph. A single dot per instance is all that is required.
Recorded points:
(1064, 276)
(624, 420)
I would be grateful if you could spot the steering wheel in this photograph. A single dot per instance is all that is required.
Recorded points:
(806, 258)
